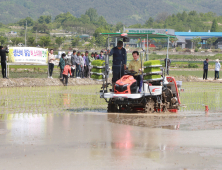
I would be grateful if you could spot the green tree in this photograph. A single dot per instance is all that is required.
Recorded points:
(31, 41)
(17, 40)
(3, 40)
(214, 27)
(59, 40)
(61, 18)
(75, 41)
(84, 19)
(45, 41)
(119, 26)
(41, 28)
(30, 22)
(101, 21)
(212, 40)
(100, 39)
(149, 22)
(184, 16)
(45, 19)
(92, 13)
(195, 41)
(173, 40)
(92, 41)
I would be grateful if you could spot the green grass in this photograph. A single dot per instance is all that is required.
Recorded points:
(59, 100)
(199, 94)
(196, 73)
(51, 99)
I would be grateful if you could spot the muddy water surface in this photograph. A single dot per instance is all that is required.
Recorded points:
(68, 128)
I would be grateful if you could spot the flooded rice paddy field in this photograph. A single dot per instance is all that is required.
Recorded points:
(68, 128)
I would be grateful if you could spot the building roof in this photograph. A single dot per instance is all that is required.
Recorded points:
(139, 35)
(212, 34)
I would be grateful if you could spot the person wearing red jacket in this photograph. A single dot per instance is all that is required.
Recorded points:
(66, 71)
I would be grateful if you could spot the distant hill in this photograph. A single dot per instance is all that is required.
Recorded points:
(127, 11)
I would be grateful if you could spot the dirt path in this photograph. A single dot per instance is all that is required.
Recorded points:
(36, 82)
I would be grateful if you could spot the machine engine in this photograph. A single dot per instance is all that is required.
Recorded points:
(126, 85)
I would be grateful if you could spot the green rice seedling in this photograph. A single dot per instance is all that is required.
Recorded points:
(98, 70)
(98, 63)
(152, 63)
(95, 76)
(151, 69)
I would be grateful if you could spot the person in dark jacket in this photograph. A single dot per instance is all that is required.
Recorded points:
(87, 61)
(73, 56)
(62, 65)
(3, 60)
(205, 69)
(167, 64)
(119, 61)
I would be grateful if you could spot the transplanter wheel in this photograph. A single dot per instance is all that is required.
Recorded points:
(164, 109)
(149, 108)
(129, 109)
(112, 108)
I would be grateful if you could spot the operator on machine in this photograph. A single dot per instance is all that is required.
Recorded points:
(135, 65)
(119, 61)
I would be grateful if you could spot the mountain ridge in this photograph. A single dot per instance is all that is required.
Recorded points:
(126, 11)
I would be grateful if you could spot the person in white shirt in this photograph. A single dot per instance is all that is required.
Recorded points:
(51, 63)
(217, 69)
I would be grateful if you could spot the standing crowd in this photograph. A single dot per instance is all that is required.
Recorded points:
(75, 65)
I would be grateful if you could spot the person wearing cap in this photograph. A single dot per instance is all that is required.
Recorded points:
(62, 65)
(217, 69)
(3, 60)
(205, 69)
(119, 61)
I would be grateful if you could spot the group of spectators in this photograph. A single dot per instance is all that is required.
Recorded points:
(75, 64)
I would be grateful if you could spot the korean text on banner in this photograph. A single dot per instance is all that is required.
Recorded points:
(28, 55)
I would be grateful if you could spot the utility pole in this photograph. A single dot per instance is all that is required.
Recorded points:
(25, 32)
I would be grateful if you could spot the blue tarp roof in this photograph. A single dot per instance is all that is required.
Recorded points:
(195, 34)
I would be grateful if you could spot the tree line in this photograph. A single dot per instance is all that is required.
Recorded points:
(93, 24)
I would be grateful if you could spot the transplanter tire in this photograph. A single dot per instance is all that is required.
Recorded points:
(112, 108)
(149, 108)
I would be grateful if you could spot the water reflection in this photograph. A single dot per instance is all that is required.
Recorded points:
(96, 137)
(159, 121)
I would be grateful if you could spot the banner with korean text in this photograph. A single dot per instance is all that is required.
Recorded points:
(28, 55)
